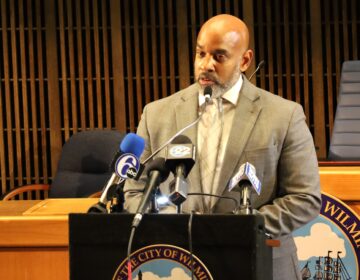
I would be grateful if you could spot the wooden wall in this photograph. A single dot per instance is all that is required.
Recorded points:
(71, 65)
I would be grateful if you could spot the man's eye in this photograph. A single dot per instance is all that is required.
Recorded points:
(201, 54)
(220, 57)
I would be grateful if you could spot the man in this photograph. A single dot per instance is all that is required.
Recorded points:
(256, 127)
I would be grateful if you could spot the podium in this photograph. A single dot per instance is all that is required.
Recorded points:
(229, 246)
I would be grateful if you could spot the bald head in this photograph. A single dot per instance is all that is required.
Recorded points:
(222, 52)
(231, 28)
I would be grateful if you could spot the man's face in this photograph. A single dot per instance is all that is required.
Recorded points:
(218, 60)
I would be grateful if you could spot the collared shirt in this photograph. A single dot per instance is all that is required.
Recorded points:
(230, 99)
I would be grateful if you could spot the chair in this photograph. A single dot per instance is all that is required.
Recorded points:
(345, 140)
(33, 191)
(83, 168)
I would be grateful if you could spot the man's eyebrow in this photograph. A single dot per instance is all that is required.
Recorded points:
(217, 51)
(220, 51)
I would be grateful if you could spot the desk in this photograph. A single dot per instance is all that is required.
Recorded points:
(34, 237)
(342, 182)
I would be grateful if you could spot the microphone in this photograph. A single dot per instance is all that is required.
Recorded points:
(180, 158)
(207, 94)
(157, 173)
(244, 181)
(260, 65)
(125, 164)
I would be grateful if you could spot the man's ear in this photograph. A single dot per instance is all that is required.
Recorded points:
(246, 60)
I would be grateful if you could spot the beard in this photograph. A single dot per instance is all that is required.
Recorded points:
(218, 88)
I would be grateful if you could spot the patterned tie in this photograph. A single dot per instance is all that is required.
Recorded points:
(209, 141)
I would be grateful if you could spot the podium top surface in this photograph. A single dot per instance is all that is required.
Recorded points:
(35, 223)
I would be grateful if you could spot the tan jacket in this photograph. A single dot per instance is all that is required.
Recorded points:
(269, 132)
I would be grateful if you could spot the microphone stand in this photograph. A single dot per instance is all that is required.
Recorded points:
(101, 206)
(207, 99)
(245, 204)
(260, 65)
(178, 197)
(172, 138)
(118, 199)
(154, 206)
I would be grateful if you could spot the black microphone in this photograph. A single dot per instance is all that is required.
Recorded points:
(260, 65)
(125, 165)
(180, 158)
(207, 94)
(244, 181)
(157, 173)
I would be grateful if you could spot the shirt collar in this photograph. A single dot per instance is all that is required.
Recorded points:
(232, 95)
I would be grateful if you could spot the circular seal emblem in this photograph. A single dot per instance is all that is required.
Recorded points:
(328, 247)
(127, 166)
(180, 151)
(162, 262)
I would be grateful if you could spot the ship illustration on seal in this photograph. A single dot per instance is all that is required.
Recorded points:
(327, 268)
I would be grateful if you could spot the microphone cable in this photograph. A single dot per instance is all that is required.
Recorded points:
(217, 196)
(129, 268)
(190, 224)
(197, 193)
(191, 243)
(207, 94)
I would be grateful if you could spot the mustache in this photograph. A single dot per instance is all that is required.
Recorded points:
(208, 76)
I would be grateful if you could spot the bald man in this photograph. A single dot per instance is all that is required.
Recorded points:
(257, 127)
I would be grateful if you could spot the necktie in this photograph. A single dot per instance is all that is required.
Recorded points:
(209, 141)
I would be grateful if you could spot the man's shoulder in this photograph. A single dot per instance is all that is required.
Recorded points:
(274, 98)
(275, 101)
(271, 103)
(176, 97)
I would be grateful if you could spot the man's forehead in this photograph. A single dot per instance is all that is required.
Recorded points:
(222, 41)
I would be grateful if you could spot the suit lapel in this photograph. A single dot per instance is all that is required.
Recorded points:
(246, 114)
(186, 112)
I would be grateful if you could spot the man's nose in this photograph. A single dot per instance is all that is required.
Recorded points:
(207, 64)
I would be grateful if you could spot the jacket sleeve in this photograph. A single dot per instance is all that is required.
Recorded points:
(298, 198)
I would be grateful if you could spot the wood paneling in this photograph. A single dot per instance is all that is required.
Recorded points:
(53, 83)
(24, 144)
(317, 80)
(68, 66)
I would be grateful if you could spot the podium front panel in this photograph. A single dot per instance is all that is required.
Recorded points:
(230, 246)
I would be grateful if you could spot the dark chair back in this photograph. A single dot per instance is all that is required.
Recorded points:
(84, 165)
(345, 140)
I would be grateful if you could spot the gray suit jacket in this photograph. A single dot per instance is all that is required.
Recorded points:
(269, 132)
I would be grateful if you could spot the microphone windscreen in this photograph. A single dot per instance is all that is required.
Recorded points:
(261, 64)
(133, 144)
(158, 164)
(181, 139)
(208, 91)
(180, 151)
